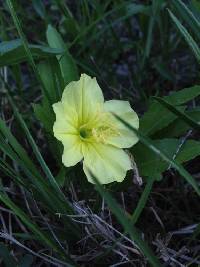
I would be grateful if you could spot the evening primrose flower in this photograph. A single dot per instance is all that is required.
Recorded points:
(89, 131)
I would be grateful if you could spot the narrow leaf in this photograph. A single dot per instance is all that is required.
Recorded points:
(67, 64)
(190, 41)
(13, 52)
(188, 16)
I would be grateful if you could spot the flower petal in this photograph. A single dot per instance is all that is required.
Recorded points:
(72, 151)
(84, 96)
(106, 162)
(126, 137)
(65, 122)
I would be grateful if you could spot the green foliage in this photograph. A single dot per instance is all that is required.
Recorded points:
(67, 65)
(179, 127)
(26, 261)
(39, 8)
(183, 96)
(166, 115)
(126, 223)
(180, 114)
(187, 15)
(9, 260)
(191, 42)
(152, 165)
(12, 52)
(156, 118)
(160, 115)
(101, 38)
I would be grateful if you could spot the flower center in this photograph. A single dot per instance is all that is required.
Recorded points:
(85, 132)
(99, 132)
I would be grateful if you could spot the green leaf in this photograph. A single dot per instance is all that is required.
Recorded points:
(6, 256)
(52, 78)
(60, 178)
(26, 261)
(156, 118)
(13, 52)
(188, 38)
(188, 16)
(148, 162)
(67, 64)
(39, 8)
(148, 143)
(188, 151)
(183, 96)
(159, 116)
(196, 5)
(71, 23)
(180, 114)
(152, 165)
(47, 76)
(45, 115)
(131, 9)
(179, 127)
(162, 69)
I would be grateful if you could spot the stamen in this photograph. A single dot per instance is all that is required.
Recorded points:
(102, 133)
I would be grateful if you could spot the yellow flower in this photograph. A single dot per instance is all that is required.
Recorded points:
(89, 131)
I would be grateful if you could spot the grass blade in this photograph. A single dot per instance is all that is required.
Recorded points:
(143, 200)
(25, 44)
(126, 223)
(191, 42)
(34, 147)
(49, 189)
(42, 236)
(188, 16)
